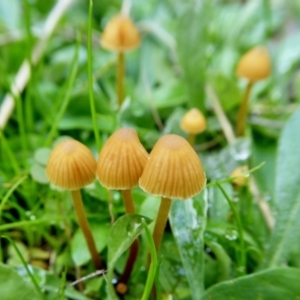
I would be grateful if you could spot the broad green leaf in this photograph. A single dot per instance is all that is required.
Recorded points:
(122, 234)
(13, 286)
(170, 95)
(105, 123)
(272, 284)
(79, 249)
(287, 195)
(41, 155)
(38, 173)
(188, 221)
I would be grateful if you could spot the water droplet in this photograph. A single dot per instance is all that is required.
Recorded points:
(231, 234)
(134, 225)
(241, 149)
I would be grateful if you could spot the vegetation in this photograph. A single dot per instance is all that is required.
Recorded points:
(238, 238)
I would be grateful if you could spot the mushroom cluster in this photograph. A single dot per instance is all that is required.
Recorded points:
(173, 170)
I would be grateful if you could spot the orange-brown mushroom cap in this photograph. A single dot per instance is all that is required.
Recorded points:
(193, 121)
(239, 173)
(120, 34)
(255, 64)
(121, 160)
(71, 165)
(173, 170)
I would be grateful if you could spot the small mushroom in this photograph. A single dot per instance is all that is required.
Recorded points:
(193, 122)
(238, 176)
(120, 35)
(71, 166)
(120, 165)
(254, 65)
(173, 171)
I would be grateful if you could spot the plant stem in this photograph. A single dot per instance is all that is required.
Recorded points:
(85, 227)
(161, 221)
(90, 79)
(67, 96)
(242, 114)
(129, 208)
(191, 139)
(120, 78)
(239, 225)
(22, 130)
(153, 266)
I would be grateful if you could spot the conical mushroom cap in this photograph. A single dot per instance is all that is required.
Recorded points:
(120, 34)
(255, 64)
(71, 165)
(193, 121)
(121, 160)
(173, 170)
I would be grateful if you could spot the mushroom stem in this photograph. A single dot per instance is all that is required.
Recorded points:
(128, 201)
(130, 263)
(85, 227)
(161, 221)
(129, 208)
(242, 114)
(120, 78)
(191, 139)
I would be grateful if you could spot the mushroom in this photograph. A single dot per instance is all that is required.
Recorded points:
(71, 166)
(238, 176)
(254, 65)
(173, 171)
(120, 35)
(193, 122)
(119, 167)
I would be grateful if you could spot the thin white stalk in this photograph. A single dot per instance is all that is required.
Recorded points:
(24, 72)
(225, 124)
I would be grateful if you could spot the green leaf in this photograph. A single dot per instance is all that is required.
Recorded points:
(188, 221)
(170, 95)
(13, 286)
(38, 173)
(41, 155)
(274, 284)
(105, 123)
(287, 195)
(79, 249)
(122, 234)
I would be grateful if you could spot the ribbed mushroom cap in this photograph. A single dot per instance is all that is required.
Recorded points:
(193, 121)
(120, 34)
(121, 160)
(255, 64)
(173, 170)
(71, 165)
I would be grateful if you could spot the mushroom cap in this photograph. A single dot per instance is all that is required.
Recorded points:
(255, 64)
(193, 121)
(121, 160)
(71, 165)
(173, 170)
(120, 34)
(239, 171)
